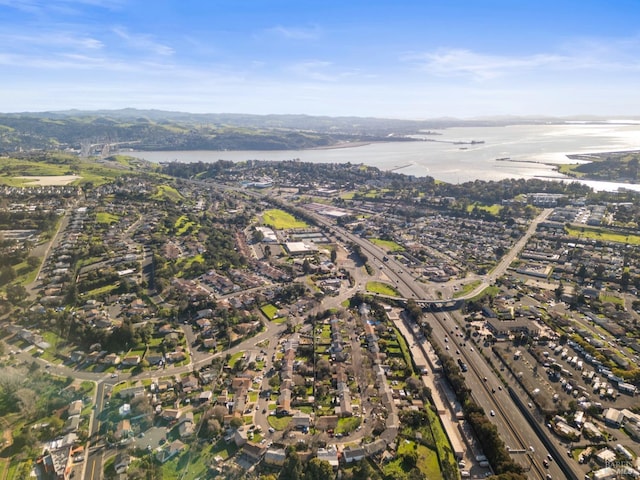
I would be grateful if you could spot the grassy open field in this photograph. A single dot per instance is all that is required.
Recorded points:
(281, 220)
(492, 209)
(570, 169)
(167, 193)
(108, 218)
(388, 245)
(464, 289)
(382, 288)
(279, 423)
(599, 233)
(183, 224)
(427, 461)
(58, 166)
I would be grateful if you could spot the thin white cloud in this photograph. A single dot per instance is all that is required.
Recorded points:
(455, 62)
(296, 33)
(65, 7)
(143, 42)
(50, 40)
(582, 54)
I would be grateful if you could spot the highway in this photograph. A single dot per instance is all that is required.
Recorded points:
(492, 395)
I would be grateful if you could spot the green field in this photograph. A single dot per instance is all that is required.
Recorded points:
(469, 287)
(612, 299)
(427, 461)
(281, 220)
(167, 193)
(108, 218)
(602, 234)
(187, 262)
(184, 224)
(279, 423)
(382, 289)
(570, 169)
(102, 290)
(234, 359)
(492, 209)
(53, 164)
(388, 245)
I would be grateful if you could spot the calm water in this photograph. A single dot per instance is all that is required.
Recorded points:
(529, 148)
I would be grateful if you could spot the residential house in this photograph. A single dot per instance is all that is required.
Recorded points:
(240, 437)
(122, 462)
(131, 360)
(189, 383)
(353, 454)
(205, 397)
(58, 463)
(169, 451)
(112, 359)
(72, 424)
(253, 451)
(301, 421)
(187, 428)
(171, 414)
(123, 429)
(154, 358)
(329, 455)
(275, 456)
(75, 408)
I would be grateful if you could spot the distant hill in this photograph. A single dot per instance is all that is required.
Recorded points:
(166, 130)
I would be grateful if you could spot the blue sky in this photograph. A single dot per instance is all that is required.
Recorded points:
(398, 59)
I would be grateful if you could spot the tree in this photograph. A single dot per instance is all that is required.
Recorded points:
(10, 381)
(364, 471)
(219, 411)
(16, 293)
(236, 422)
(413, 384)
(318, 470)
(213, 427)
(292, 468)
(26, 401)
(409, 460)
(257, 236)
(33, 262)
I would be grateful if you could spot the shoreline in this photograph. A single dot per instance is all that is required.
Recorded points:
(343, 145)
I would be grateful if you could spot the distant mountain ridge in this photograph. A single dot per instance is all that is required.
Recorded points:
(171, 130)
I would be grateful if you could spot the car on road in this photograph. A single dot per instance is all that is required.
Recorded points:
(493, 413)
(272, 430)
(532, 449)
